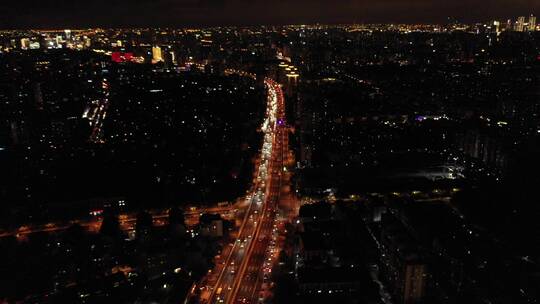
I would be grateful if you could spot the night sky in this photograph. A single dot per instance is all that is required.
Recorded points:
(85, 13)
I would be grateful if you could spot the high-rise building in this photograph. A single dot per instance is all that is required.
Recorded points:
(414, 282)
(38, 95)
(508, 25)
(532, 23)
(25, 43)
(520, 24)
(35, 45)
(173, 57)
(403, 262)
(59, 40)
(156, 54)
(497, 27)
(292, 82)
(169, 57)
(87, 41)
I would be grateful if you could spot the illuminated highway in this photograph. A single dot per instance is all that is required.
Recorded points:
(97, 112)
(240, 269)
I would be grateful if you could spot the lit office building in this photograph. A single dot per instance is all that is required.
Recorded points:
(156, 54)
(532, 23)
(520, 24)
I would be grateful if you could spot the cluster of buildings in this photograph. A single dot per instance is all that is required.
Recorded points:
(150, 262)
(54, 104)
(51, 40)
(402, 247)
(342, 254)
(145, 112)
(525, 26)
(330, 260)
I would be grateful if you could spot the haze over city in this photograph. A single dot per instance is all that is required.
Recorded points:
(174, 13)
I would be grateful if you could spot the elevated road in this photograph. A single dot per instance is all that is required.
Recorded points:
(239, 271)
(127, 221)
